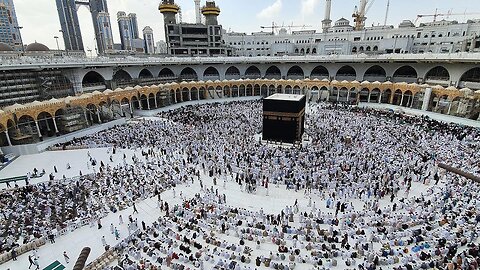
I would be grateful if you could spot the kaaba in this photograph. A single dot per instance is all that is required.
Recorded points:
(284, 118)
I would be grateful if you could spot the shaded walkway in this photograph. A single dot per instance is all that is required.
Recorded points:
(415, 112)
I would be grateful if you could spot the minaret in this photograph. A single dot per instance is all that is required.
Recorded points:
(198, 12)
(327, 23)
(169, 10)
(211, 12)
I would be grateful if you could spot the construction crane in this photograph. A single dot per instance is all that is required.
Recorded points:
(359, 15)
(386, 13)
(274, 27)
(436, 15)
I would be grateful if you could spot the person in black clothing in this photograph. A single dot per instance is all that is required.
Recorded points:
(30, 260)
(14, 254)
(51, 237)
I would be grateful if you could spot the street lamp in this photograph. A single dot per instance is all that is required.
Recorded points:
(56, 39)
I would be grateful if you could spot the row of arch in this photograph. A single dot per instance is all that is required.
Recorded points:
(405, 73)
(42, 119)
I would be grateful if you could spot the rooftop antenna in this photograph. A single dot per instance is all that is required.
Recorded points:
(386, 13)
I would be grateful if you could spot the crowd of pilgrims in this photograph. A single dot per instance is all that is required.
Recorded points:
(356, 172)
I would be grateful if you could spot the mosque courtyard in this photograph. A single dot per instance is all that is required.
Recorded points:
(236, 204)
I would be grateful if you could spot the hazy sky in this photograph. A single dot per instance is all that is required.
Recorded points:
(39, 18)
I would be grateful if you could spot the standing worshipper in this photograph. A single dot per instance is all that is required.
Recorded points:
(135, 208)
(104, 242)
(67, 259)
(117, 233)
(30, 260)
(14, 254)
(35, 262)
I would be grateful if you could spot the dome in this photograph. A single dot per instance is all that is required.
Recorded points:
(4, 47)
(342, 22)
(37, 47)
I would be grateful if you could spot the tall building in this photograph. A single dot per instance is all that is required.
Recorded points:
(9, 29)
(124, 26)
(72, 36)
(193, 39)
(96, 7)
(198, 12)
(133, 25)
(105, 30)
(149, 41)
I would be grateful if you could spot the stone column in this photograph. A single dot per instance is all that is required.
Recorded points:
(131, 107)
(98, 115)
(175, 95)
(348, 95)
(338, 95)
(86, 117)
(459, 107)
(369, 95)
(401, 100)
(380, 97)
(156, 102)
(449, 107)
(148, 103)
(8, 138)
(55, 125)
(38, 129)
(190, 94)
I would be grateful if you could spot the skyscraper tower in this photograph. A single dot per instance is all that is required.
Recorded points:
(97, 6)
(148, 39)
(124, 26)
(72, 36)
(105, 31)
(9, 29)
(133, 25)
(198, 12)
(169, 10)
(211, 12)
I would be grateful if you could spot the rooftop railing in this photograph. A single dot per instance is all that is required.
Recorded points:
(131, 60)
